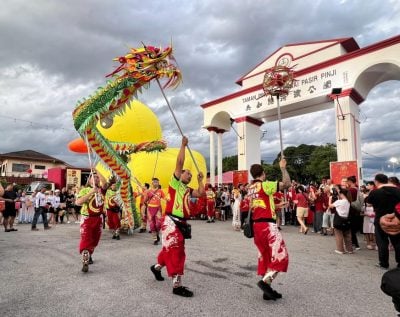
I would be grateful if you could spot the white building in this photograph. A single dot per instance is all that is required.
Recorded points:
(318, 68)
(27, 163)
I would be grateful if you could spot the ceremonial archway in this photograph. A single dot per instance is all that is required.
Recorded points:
(329, 74)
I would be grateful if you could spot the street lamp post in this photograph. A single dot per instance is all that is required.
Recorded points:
(394, 161)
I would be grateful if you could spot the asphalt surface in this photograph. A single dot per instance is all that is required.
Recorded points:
(41, 276)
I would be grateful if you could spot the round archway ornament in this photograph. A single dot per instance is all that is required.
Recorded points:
(278, 81)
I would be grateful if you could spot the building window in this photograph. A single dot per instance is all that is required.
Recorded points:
(16, 167)
(40, 167)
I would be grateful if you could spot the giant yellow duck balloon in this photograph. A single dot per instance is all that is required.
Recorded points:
(136, 125)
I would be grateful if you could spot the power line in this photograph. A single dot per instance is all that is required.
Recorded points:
(33, 123)
(379, 157)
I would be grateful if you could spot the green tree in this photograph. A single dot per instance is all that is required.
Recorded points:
(298, 158)
(305, 163)
(320, 158)
(272, 171)
(230, 163)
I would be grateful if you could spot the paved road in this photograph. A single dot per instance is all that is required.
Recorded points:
(40, 276)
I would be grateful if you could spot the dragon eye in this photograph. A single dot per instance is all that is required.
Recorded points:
(106, 122)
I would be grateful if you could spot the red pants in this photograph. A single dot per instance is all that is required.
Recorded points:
(113, 220)
(143, 214)
(154, 216)
(172, 254)
(273, 255)
(210, 208)
(90, 233)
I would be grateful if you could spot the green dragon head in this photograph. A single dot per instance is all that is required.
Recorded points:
(136, 70)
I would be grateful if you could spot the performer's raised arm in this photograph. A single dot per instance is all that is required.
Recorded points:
(286, 182)
(180, 160)
(200, 191)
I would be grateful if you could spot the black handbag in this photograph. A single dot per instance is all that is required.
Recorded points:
(341, 223)
(184, 228)
(248, 226)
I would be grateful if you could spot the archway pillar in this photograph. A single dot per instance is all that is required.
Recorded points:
(213, 131)
(219, 156)
(249, 152)
(348, 140)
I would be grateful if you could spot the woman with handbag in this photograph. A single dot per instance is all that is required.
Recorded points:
(341, 222)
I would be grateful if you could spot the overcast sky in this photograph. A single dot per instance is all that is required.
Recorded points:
(54, 53)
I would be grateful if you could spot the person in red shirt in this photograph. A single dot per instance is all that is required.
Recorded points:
(279, 202)
(143, 206)
(301, 201)
(153, 202)
(210, 204)
(244, 204)
(273, 256)
(319, 203)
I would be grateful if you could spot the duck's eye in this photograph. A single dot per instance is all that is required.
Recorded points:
(106, 122)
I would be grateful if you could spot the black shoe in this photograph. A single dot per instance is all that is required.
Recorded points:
(208, 221)
(142, 230)
(158, 238)
(266, 297)
(114, 236)
(157, 273)
(90, 260)
(8, 230)
(276, 294)
(182, 291)
(266, 288)
(117, 237)
(155, 242)
(384, 267)
(33, 229)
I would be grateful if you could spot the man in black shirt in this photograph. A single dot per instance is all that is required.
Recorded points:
(390, 285)
(9, 213)
(384, 199)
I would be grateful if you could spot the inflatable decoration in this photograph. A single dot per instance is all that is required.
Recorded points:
(135, 71)
(138, 125)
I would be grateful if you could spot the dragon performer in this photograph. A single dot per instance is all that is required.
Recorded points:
(136, 70)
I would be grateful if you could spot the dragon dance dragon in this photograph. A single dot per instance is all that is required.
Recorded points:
(136, 70)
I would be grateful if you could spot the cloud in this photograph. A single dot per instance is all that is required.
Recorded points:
(55, 53)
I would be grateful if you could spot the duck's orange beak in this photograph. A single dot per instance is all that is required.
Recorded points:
(78, 146)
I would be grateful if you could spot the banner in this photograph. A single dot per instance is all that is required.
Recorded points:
(341, 170)
(73, 177)
(240, 177)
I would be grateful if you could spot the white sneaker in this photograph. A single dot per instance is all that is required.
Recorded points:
(339, 252)
(68, 221)
(77, 222)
